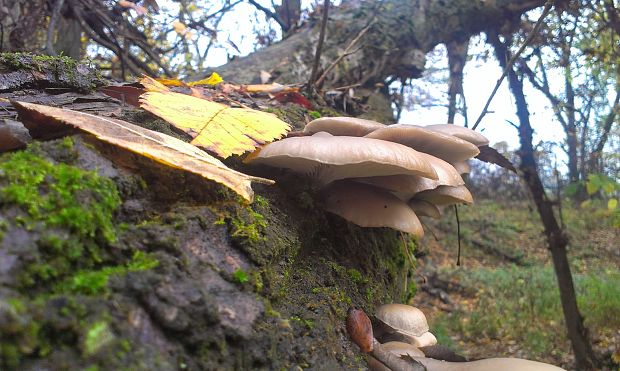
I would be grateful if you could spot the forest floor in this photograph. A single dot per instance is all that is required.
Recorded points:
(503, 300)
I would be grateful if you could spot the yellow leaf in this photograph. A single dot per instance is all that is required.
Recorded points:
(49, 122)
(612, 204)
(221, 129)
(168, 82)
(214, 79)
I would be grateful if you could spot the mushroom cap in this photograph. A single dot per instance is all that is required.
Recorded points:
(464, 133)
(375, 365)
(402, 317)
(322, 134)
(406, 186)
(401, 349)
(424, 208)
(403, 322)
(369, 206)
(446, 195)
(489, 364)
(338, 157)
(462, 167)
(446, 147)
(349, 126)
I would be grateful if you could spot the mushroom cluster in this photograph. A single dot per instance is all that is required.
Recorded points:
(377, 175)
(399, 339)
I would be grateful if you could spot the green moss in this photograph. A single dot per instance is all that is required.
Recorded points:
(315, 114)
(97, 336)
(240, 276)
(66, 71)
(72, 206)
(93, 282)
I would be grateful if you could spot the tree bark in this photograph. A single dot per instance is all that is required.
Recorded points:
(556, 238)
(400, 35)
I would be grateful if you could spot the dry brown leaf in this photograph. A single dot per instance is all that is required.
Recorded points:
(157, 146)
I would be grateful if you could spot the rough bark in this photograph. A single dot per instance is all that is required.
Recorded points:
(401, 33)
(557, 240)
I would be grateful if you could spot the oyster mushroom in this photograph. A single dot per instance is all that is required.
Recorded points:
(361, 333)
(329, 158)
(462, 167)
(401, 322)
(446, 195)
(424, 208)
(489, 364)
(469, 135)
(349, 126)
(446, 147)
(405, 186)
(369, 206)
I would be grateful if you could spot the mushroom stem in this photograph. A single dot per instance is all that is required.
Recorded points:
(392, 361)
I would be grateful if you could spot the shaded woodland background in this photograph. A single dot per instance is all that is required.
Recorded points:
(511, 296)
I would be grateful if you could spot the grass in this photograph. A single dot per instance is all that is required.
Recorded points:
(515, 310)
(523, 305)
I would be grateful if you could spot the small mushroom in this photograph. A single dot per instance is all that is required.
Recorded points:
(405, 186)
(330, 158)
(469, 135)
(489, 364)
(403, 322)
(369, 206)
(361, 333)
(446, 195)
(446, 147)
(349, 126)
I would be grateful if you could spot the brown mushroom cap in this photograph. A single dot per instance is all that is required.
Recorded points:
(369, 206)
(344, 126)
(339, 157)
(446, 147)
(445, 195)
(424, 208)
(406, 186)
(467, 134)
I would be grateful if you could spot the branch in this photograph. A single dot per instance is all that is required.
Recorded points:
(546, 10)
(268, 13)
(317, 55)
(346, 53)
(49, 44)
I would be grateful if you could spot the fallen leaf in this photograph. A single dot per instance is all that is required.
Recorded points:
(170, 82)
(212, 80)
(293, 97)
(46, 122)
(214, 126)
(124, 93)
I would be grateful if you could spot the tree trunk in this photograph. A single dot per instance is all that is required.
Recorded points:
(401, 33)
(556, 238)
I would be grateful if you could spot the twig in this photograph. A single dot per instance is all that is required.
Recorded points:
(458, 235)
(268, 13)
(49, 44)
(546, 10)
(346, 52)
(319, 46)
